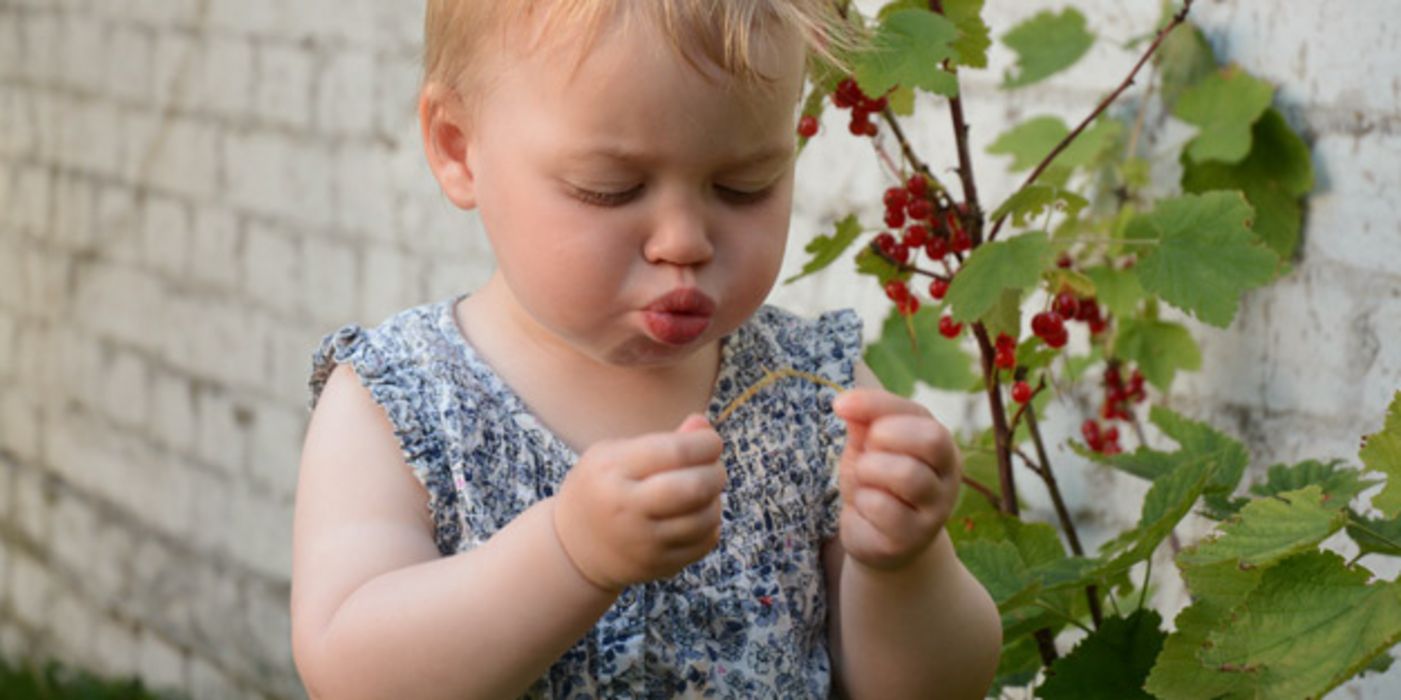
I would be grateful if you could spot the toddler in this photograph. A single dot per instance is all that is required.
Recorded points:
(581, 480)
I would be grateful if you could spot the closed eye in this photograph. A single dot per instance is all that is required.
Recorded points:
(740, 196)
(605, 199)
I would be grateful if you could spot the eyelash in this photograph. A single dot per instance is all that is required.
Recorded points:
(617, 199)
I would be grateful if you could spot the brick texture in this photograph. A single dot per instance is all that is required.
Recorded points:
(193, 192)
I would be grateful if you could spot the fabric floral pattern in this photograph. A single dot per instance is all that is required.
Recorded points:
(746, 621)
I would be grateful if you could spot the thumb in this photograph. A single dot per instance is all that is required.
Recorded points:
(693, 422)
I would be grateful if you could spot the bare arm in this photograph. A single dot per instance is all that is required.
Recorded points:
(377, 612)
(926, 628)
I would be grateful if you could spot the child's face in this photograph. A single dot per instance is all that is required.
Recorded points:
(603, 189)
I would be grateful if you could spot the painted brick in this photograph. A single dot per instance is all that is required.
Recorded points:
(276, 448)
(331, 290)
(364, 190)
(83, 57)
(283, 91)
(225, 81)
(166, 236)
(173, 411)
(130, 64)
(215, 241)
(260, 532)
(345, 94)
(162, 665)
(184, 158)
(273, 267)
(222, 437)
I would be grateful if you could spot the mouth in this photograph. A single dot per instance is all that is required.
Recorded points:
(678, 317)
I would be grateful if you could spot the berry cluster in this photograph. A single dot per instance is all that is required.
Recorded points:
(849, 96)
(1118, 396)
(1049, 325)
(937, 231)
(1005, 355)
(1104, 441)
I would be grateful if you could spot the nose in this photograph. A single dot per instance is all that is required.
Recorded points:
(679, 235)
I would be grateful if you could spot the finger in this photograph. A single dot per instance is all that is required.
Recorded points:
(691, 528)
(680, 491)
(694, 422)
(908, 480)
(866, 405)
(887, 514)
(921, 437)
(659, 452)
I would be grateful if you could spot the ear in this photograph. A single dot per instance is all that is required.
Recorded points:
(443, 120)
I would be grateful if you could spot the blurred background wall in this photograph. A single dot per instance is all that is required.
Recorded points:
(194, 192)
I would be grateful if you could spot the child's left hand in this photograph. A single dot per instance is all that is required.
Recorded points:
(899, 477)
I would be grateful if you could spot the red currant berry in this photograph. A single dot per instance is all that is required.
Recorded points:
(807, 126)
(919, 209)
(1057, 338)
(909, 306)
(901, 253)
(896, 198)
(1005, 341)
(1041, 324)
(848, 94)
(1090, 431)
(1111, 448)
(1005, 358)
(916, 236)
(874, 105)
(938, 288)
(1065, 304)
(1064, 261)
(894, 218)
(948, 328)
(960, 242)
(871, 129)
(937, 247)
(917, 185)
(1021, 392)
(885, 243)
(895, 290)
(858, 124)
(1111, 434)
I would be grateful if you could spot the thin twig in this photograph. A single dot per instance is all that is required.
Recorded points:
(1177, 19)
(978, 486)
(999, 422)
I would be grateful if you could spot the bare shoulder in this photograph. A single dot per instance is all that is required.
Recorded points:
(360, 512)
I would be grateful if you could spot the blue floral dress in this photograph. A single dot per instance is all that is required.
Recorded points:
(749, 620)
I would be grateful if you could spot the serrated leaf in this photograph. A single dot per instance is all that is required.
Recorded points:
(1268, 530)
(1223, 106)
(1005, 316)
(1197, 438)
(1382, 455)
(1312, 623)
(1062, 279)
(1166, 503)
(908, 49)
(1183, 59)
(1046, 44)
(1205, 257)
(1112, 663)
(1375, 535)
(1014, 263)
(1029, 141)
(1117, 289)
(1159, 348)
(901, 101)
(938, 361)
(1092, 144)
(973, 36)
(1273, 177)
(1340, 483)
(826, 249)
(1032, 200)
(1018, 665)
(1000, 569)
(1178, 673)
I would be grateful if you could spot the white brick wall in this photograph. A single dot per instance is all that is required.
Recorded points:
(194, 192)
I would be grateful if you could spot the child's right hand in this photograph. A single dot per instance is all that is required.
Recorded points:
(642, 508)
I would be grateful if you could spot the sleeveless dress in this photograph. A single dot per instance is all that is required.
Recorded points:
(748, 620)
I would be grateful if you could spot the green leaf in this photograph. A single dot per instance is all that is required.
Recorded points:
(1117, 289)
(937, 362)
(1312, 623)
(1005, 316)
(1014, 263)
(1267, 530)
(1166, 503)
(1382, 455)
(826, 249)
(1092, 144)
(869, 262)
(1183, 59)
(1206, 255)
(1018, 666)
(1179, 674)
(1273, 178)
(999, 567)
(1160, 348)
(1112, 663)
(1046, 44)
(1200, 439)
(1032, 200)
(1029, 141)
(1374, 535)
(907, 49)
(973, 36)
(1340, 483)
(1062, 279)
(1223, 106)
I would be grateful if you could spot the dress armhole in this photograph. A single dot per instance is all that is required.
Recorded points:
(402, 392)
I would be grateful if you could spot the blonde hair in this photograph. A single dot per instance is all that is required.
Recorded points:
(721, 33)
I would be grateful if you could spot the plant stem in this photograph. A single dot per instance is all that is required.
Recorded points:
(1062, 513)
(1147, 575)
(1354, 522)
(1001, 435)
(1103, 105)
(972, 219)
(974, 484)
